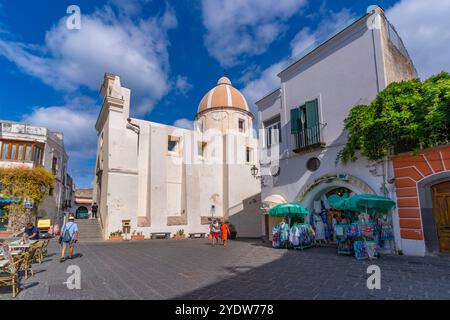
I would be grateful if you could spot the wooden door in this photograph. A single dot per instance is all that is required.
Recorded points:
(441, 206)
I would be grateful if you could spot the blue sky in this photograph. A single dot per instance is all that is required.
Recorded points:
(170, 53)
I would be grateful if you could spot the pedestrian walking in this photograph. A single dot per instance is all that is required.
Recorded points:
(214, 232)
(94, 210)
(225, 232)
(69, 236)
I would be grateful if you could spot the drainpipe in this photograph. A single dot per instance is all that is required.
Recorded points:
(136, 128)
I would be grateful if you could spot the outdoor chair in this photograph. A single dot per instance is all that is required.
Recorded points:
(45, 247)
(39, 253)
(27, 265)
(9, 275)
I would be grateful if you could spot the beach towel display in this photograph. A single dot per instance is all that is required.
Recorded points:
(301, 236)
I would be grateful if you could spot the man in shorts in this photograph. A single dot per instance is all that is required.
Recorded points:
(69, 236)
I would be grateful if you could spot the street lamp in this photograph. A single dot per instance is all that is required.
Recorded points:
(254, 170)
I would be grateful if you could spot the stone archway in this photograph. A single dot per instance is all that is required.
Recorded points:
(328, 182)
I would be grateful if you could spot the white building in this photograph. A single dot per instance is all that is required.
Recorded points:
(315, 96)
(24, 145)
(164, 179)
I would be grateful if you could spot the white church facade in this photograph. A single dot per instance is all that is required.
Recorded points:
(164, 179)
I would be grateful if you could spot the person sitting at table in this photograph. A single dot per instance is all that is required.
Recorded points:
(31, 231)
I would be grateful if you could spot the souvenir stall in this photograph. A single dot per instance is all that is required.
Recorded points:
(364, 224)
(292, 232)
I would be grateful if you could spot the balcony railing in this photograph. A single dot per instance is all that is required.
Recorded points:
(308, 138)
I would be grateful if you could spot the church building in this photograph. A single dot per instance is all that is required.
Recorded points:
(162, 178)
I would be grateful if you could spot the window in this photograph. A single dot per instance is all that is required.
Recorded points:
(4, 151)
(202, 149)
(54, 165)
(51, 191)
(241, 125)
(272, 131)
(19, 151)
(248, 155)
(27, 151)
(172, 144)
(305, 124)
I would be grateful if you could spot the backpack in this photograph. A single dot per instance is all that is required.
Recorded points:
(66, 236)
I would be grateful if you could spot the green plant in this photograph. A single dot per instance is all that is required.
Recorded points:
(23, 184)
(406, 116)
(117, 233)
(180, 232)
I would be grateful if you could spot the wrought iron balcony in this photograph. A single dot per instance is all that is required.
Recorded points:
(309, 138)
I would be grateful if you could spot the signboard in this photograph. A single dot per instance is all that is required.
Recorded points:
(27, 204)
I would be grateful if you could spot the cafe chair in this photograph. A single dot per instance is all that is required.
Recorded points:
(9, 275)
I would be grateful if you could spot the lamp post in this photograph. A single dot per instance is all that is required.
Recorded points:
(254, 171)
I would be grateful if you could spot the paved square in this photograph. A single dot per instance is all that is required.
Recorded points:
(193, 269)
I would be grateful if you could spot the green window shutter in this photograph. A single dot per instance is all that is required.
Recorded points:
(312, 122)
(295, 116)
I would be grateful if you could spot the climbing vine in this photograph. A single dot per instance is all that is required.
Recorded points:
(406, 116)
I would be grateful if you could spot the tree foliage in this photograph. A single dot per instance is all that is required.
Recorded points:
(24, 184)
(406, 116)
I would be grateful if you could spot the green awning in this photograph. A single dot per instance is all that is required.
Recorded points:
(362, 203)
(290, 209)
(7, 200)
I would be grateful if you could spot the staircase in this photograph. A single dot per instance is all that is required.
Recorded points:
(89, 230)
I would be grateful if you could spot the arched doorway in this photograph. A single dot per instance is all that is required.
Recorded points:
(82, 213)
(441, 206)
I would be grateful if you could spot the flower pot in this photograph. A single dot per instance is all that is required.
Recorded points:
(179, 236)
(115, 238)
(137, 237)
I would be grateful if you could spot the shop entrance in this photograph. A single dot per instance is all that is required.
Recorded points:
(82, 213)
(441, 206)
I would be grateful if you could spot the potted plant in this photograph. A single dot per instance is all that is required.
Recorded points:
(179, 235)
(116, 235)
(233, 232)
(137, 235)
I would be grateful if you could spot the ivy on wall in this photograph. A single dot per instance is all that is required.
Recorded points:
(406, 116)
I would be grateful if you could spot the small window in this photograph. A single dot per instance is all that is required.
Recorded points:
(272, 131)
(202, 149)
(241, 125)
(248, 155)
(51, 191)
(313, 164)
(13, 152)
(54, 165)
(27, 152)
(5, 151)
(172, 144)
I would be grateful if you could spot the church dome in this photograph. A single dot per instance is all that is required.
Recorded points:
(223, 95)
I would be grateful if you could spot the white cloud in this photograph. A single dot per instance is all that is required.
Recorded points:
(107, 42)
(424, 27)
(182, 85)
(184, 123)
(78, 126)
(268, 80)
(240, 28)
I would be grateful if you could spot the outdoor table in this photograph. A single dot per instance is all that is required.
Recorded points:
(3, 263)
(13, 253)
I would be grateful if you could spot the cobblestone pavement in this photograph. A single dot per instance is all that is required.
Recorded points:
(193, 269)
